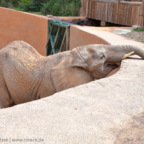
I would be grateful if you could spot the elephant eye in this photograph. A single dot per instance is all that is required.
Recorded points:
(102, 56)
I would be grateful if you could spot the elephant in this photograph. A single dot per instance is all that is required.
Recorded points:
(25, 75)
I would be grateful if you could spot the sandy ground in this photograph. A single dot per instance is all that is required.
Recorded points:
(138, 36)
(133, 133)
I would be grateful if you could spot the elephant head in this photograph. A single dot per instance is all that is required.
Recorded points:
(91, 62)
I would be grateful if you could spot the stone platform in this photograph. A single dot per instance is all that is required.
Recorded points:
(99, 112)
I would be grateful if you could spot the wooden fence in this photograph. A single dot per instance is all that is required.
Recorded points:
(121, 12)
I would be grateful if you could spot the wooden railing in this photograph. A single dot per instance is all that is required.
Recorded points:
(120, 12)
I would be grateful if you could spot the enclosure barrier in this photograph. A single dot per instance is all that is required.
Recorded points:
(58, 33)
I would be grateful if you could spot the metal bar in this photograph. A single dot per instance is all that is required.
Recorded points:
(63, 41)
(50, 28)
(57, 34)
(67, 39)
(50, 39)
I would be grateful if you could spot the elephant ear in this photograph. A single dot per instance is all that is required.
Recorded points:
(66, 75)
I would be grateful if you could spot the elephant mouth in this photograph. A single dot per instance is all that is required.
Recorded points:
(112, 65)
(107, 68)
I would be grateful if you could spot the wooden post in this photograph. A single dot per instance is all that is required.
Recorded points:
(117, 11)
(143, 11)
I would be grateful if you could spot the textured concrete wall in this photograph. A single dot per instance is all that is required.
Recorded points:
(80, 36)
(83, 35)
(16, 25)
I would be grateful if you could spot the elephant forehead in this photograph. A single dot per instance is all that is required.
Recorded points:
(95, 52)
(89, 51)
(100, 51)
(84, 52)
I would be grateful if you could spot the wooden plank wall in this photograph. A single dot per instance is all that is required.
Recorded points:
(130, 14)
(84, 8)
(142, 12)
(124, 13)
(112, 12)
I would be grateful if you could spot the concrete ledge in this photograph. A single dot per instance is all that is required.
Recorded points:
(93, 113)
(83, 35)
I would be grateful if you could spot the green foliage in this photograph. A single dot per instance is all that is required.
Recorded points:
(48, 7)
(15, 3)
(61, 7)
(36, 5)
(6, 3)
(53, 7)
(139, 29)
(25, 5)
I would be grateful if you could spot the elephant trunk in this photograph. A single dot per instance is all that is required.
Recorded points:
(116, 53)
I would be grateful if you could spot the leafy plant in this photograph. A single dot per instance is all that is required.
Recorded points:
(36, 5)
(139, 29)
(61, 7)
(6, 3)
(25, 5)
(15, 3)
(53, 7)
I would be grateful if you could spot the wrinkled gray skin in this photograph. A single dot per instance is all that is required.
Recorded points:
(25, 75)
